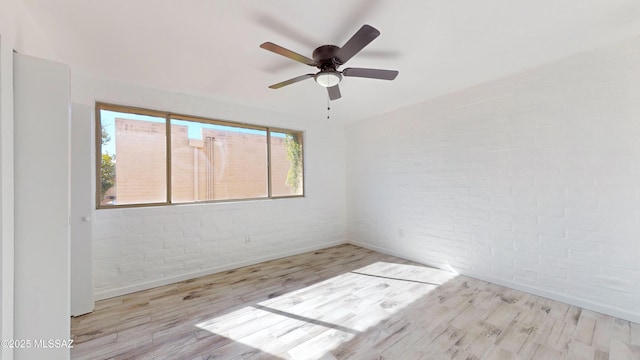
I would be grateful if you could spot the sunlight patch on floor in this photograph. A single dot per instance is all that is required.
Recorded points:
(311, 321)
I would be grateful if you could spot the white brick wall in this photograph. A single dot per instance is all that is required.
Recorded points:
(531, 181)
(138, 248)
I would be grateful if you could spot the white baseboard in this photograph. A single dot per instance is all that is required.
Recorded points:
(101, 295)
(571, 300)
(401, 255)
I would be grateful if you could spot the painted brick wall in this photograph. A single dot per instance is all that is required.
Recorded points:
(531, 181)
(138, 248)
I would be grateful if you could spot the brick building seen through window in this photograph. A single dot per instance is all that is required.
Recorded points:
(208, 162)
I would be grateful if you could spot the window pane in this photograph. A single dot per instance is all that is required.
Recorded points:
(217, 162)
(286, 164)
(133, 166)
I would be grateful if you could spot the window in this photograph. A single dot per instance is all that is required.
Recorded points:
(147, 157)
(217, 162)
(286, 163)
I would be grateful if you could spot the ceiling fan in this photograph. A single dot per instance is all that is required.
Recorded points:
(328, 58)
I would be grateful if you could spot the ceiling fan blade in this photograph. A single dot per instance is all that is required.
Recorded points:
(291, 81)
(371, 73)
(358, 41)
(334, 92)
(287, 53)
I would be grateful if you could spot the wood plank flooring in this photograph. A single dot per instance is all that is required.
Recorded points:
(345, 302)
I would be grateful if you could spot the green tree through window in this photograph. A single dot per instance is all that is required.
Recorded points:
(294, 153)
(107, 167)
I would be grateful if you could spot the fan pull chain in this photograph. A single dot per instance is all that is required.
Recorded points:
(328, 108)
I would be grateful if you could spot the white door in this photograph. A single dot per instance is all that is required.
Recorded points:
(41, 205)
(82, 158)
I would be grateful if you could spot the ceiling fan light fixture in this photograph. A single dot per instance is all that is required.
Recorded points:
(328, 78)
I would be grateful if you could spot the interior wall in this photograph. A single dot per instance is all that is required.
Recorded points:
(17, 32)
(6, 193)
(7, 30)
(531, 181)
(137, 248)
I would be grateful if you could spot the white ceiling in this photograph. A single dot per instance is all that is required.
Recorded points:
(211, 47)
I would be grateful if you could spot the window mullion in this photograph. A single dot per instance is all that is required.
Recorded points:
(269, 163)
(167, 120)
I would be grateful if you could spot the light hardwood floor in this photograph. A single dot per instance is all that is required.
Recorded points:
(345, 302)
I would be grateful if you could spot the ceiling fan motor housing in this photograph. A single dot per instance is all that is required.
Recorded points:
(325, 57)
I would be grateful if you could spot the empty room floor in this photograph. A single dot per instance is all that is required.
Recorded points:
(345, 302)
